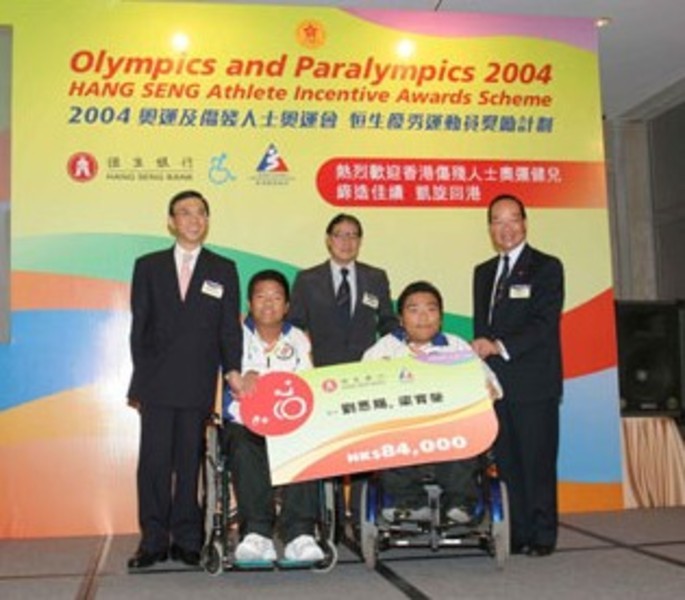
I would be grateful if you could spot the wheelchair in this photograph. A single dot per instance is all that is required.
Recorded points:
(221, 515)
(488, 529)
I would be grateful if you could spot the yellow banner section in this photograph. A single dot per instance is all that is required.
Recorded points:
(281, 122)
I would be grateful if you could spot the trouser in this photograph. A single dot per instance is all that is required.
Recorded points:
(526, 452)
(252, 484)
(456, 478)
(171, 450)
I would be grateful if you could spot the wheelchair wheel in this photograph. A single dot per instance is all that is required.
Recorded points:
(330, 558)
(210, 491)
(330, 508)
(326, 528)
(369, 546)
(368, 530)
(212, 558)
(500, 524)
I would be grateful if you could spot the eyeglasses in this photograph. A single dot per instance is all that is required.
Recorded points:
(513, 222)
(189, 214)
(345, 236)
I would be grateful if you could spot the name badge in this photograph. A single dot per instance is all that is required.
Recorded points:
(212, 288)
(370, 300)
(519, 291)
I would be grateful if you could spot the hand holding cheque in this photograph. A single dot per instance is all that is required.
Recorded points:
(356, 417)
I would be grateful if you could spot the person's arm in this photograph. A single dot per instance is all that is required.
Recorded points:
(304, 352)
(485, 347)
(482, 345)
(297, 310)
(140, 309)
(387, 319)
(231, 333)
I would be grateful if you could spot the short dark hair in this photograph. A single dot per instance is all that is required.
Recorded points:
(184, 195)
(415, 288)
(344, 218)
(502, 197)
(269, 275)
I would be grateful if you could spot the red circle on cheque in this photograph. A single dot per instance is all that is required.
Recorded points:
(281, 403)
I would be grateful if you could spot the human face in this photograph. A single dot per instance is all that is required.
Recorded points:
(507, 225)
(268, 305)
(189, 222)
(421, 317)
(343, 243)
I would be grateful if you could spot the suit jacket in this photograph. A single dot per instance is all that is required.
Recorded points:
(313, 308)
(526, 320)
(178, 347)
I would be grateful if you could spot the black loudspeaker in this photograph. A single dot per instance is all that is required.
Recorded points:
(651, 357)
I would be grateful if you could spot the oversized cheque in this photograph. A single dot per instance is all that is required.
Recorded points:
(372, 415)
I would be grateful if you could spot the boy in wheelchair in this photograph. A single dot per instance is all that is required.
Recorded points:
(269, 344)
(420, 310)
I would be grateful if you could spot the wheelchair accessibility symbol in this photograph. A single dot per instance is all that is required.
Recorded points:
(281, 403)
(219, 173)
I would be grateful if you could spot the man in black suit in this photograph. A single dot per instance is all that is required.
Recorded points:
(517, 301)
(342, 304)
(185, 331)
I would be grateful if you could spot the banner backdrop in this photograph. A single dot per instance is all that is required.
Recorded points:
(282, 117)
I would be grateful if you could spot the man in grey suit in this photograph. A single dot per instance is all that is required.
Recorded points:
(185, 330)
(343, 304)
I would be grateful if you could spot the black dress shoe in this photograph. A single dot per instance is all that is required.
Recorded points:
(540, 550)
(519, 549)
(188, 557)
(142, 559)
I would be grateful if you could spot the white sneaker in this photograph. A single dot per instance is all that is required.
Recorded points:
(304, 548)
(255, 547)
(458, 515)
(389, 514)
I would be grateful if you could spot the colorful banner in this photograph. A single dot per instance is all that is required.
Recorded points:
(282, 122)
(373, 415)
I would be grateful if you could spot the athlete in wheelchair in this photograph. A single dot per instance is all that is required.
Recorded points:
(237, 457)
(439, 504)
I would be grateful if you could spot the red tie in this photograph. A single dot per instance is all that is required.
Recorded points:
(185, 275)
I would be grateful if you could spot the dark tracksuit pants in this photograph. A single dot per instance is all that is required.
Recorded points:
(252, 485)
(456, 478)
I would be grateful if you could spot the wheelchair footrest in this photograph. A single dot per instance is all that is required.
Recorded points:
(286, 564)
(254, 565)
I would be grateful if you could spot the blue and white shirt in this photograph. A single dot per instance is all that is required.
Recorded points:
(396, 345)
(291, 352)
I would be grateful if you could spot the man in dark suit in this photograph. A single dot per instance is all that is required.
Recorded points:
(185, 331)
(517, 301)
(342, 304)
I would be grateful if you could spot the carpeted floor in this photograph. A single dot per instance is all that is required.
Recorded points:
(634, 554)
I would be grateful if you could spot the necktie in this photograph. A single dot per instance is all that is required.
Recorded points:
(185, 274)
(343, 297)
(501, 280)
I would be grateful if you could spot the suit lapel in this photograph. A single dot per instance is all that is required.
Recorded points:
(329, 286)
(360, 287)
(519, 274)
(170, 276)
(491, 273)
(521, 271)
